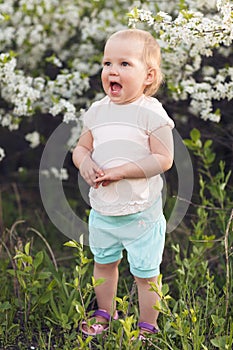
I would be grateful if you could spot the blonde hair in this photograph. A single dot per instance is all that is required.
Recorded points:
(151, 54)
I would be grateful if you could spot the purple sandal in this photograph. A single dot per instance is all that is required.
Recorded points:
(149, 328)
(98, 327)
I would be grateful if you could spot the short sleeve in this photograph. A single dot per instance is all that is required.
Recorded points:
(91, 116)
(158, 118)
(88, 118)
(154, 116)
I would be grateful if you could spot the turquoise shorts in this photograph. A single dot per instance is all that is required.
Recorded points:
(141, 234)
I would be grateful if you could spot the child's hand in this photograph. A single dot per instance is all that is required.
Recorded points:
(110, 175)
(89, 170)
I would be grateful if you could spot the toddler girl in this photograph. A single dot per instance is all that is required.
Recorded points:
(125, 145)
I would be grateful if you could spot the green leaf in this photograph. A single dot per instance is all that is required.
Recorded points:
(44, 275)
(27, 248)
(187, 15)
(188, 143)
(64, 319)
(51, 285)
(11, 272)
(44, 298)
(218, 112)
(176, 248)
(6, 16)
(54, 308)
(165, 289)
(80, 310)
(135, 13)
(208, 143)
(76, 282)
(25, 258)
(158, 18)
(219, 342)
(71, 244)
(211, 158)
(195, 134)
(22, 283)
(182, 5)
(38, 260)
(5, 306)
(217, 321)
(85, 260)
(97, 282)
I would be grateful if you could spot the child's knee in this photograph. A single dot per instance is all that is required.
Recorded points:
(145, 281)
(109, 266)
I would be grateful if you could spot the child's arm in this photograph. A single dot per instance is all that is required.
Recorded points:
(160, 160)
(89, 170)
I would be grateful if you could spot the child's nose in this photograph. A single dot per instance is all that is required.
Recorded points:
(113, 70)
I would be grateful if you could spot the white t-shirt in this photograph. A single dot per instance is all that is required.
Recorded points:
(121, 135)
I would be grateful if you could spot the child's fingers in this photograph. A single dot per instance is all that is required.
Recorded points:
(106, 182)
(102, 179)
(99, 172)
(99, 179)
(96, 185)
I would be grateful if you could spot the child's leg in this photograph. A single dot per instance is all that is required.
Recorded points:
(106, 292)
(147, 299)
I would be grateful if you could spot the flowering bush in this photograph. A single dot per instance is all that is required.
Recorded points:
(186, 39)
(51, 50)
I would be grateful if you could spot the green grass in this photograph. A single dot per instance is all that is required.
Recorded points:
(43, 301)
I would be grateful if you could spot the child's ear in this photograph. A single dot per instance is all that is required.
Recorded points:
(151, 76)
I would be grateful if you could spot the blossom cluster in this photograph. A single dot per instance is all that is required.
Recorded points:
(33, 138)
(213, 88)
(60, 174)
(16, 88)
(51, 50)
(185, 40)
(37, 36)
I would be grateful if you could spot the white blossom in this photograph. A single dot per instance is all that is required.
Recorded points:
(67, 108)
(2, 154)
(57, 62)
(142, 15)
(39, 83)
(60, 174)
(9, 121)
(75, 133)
(45, 173)
(33, 138)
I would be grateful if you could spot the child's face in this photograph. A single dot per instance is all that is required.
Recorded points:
(124, 75)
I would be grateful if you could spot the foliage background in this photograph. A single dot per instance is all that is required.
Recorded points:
(49, 72)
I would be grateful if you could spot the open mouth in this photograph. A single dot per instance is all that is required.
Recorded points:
(115, 87)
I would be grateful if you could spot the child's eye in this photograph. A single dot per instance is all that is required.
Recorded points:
(124, 64)
(107, 64)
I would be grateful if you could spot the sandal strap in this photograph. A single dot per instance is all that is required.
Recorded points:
(148, 327)
(104, 314)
